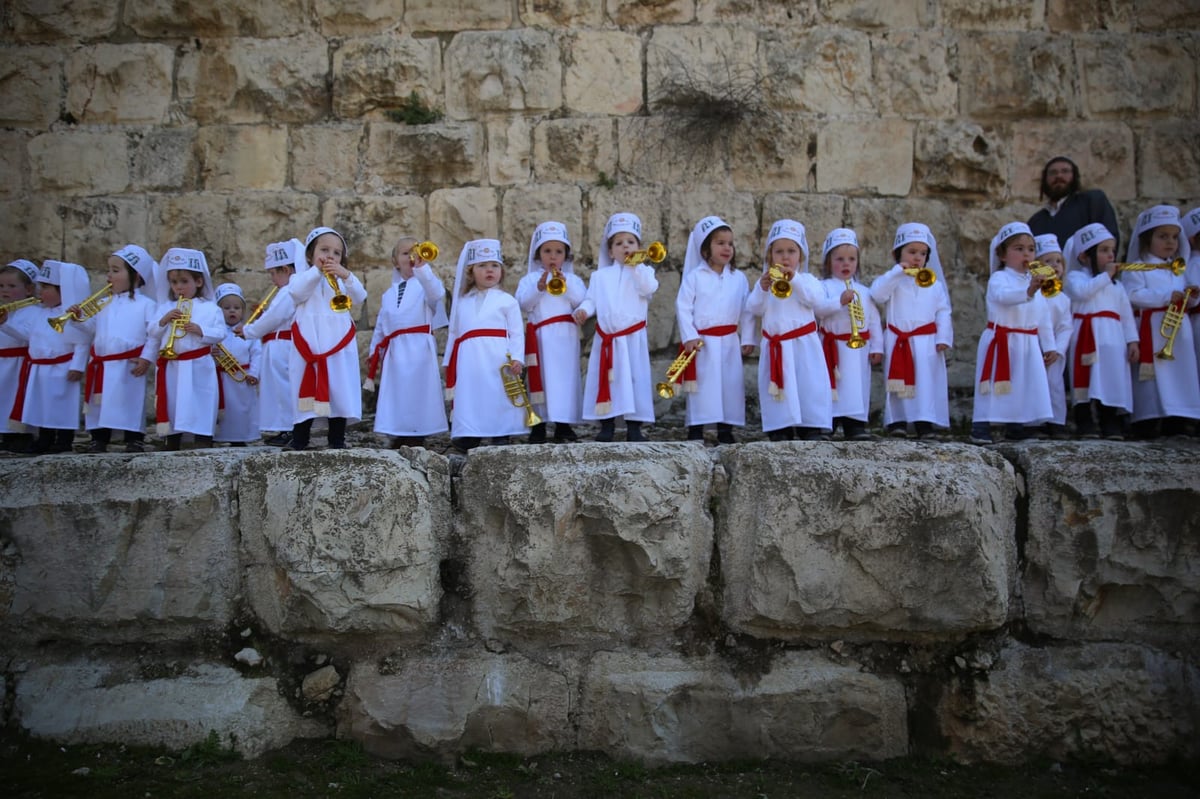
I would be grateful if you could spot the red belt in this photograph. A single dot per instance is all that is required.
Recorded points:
(160, 384)
(829, 342)
(1085, 350)
(14, 352)
(775, 354)
(997, 355)
(689, 373)
(282, 335)
(314, 383)
(381, 348)
(452, 367)
(27, 365)
(95, 371)
(902, 371)
(604, 390)
(533, 366)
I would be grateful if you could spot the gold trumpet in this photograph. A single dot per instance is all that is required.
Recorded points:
(655, 253)
(666, 388)
(1052, 284)
(1177, 267)
(427, 251)
(184, 306)
(87, 309)
(339, 301)
(924, 276)
(262, 305)
(858, 319)
(557, 284)
(1172, 319)
(518, 395)
(17, 305)
(229, 363)
(781, 284)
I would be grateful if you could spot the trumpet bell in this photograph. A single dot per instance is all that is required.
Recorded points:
(781, 289)
(664, 390)
(926, 277)
(856, 343)
(341, 302)
(557, 285)
(427, 251)
(656, 252)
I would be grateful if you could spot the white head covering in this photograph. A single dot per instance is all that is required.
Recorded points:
(1084, 239)
(786, 229)
(915, 231)
(623, 222)
(1191, 222)
(71, 279)
(703, 229)
(286, 253)
(836, 238)
(225, 289)
(477, 251)
(1154, 217)
(550, 231)
(320, 231)
(139, 261)
(1046, 244)
(1004, 234)
(181, 258)
(28, 267)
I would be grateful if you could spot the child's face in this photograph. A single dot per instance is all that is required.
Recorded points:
(280, 275)
(184, 284)
(787, 254)
(117, 274)
(843, 261)
(233, 307)
(1054, 259)
(487, 275)
(1106, 253)
(552, 254)
(403, 257)
(1164, 242)
(12, 287)
(51, 296)
(1018, 252)
(914, 254)
(720, 249)
(327, 249)
(621, 245)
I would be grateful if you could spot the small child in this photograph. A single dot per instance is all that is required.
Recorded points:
(272, 328)
(404, 352)
(122, 351)
(17, 283)
(849, 366)
(792, 389)
(1105, 338)
(918, 334)
(485, 336)
(237, 417)
(1191, 229)
(711, 309)
(551, 335)
(618, 381)
(1165, 389)
(324, 368)
(48, 387)
(1018, 332)
(188, 324)
(1048, 251)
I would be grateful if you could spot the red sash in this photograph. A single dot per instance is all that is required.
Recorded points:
(688, 378)
(314, 383)
(997, 357)
(14, 352)
(1085, 351)
(829, 341)
(902, 371)
(282, 335)
(603, 389)
(95, 371)
(775, 355)
(376, 359)
(1146, 341)
(27, 365)
(533, 365)
(160, 384)
(452, 367)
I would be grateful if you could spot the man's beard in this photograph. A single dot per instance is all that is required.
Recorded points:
(1057, 192)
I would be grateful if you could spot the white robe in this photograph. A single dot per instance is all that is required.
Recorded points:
(853, 399)
(481, 407)
(908, 307)
(238, 421)
(806, 399)
(121, 326)
(558, 346)
(51, 400)
(1192, 278)
(1109, 381)
(276, 401)
(408, 381)
(619, 296)
(14, 338)
(191, 384)
(1061, 323)
(1174, 390)
(324, 328)
(709, 299)
(1026, 397)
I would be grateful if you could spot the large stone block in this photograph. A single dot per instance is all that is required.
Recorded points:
(586, 544)
(151, 557)
(843, 163)
(823, 71)
(1170, 16)
(670, 710)
(1113, 542)
(200, 221)
(421, 158)
(161, 159)
(14, 163)
(523, 210)
(898, 14)
(714, 60)
(80, 162)
(502, 71)
(819, 213)
(914, 73)
(669, 150)
(31, 85)
(509, 150)
(270, 81)
(88, 702)
(603, 73)
(120, 84)
(260, 218)
(561, 13)
(736, 208)
(1104, 152)
(1100, 702)
(1109, 15)
(422, 705)
(1118, 78)
(458, 215)
(338, 542)
(457, 15)
(325, 157)
(358, 17)
(1027, 75)
(773, 155)
(51, 20)
(640, 14)
(381, 72)
(36, 227)
(373, 224)
(993, 15)
(96, 226)
(962, 158)
(1169, 158)
(181, 19)
(833, 540)
(242, 157)
(876, 220)
(574, 149)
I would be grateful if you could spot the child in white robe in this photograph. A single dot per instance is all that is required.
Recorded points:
(1050, 253)
(1191, 229)
(18, 283)
(237, 415)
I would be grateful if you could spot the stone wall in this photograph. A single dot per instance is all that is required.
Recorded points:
(207, 125)
(661, 602)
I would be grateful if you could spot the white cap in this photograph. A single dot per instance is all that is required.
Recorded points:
(320, 231)
(225, 289)
(187, 260)
(1004, 234)
(549, 231)
(836, 238)
(786, 229)
(1046, 244)
(1084, 239)
(139, 261)
(28, 267)
(71, 279)
(916, 231)
(1191, 222)
(703, 229)
(623, 222)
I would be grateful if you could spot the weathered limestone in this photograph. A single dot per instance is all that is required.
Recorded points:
(962, 158)
(820, 213)
(354, 548)
(824, 71)
(428, 704)
(123, 84)
(586, 543)
(1113, 541)
(220, 18)
(509, 145)
(78, 162)
(99, 225)
(564, 13)
(324, 158)
(161, 160)
(719, 58)
(458, 215)
(371, 226)
(804, 707)
(772, 155)
(456, 15)
(382, 72)
(350, 17)
(1111, 15)
(525, 208)
(194, 218)
(603, 73)
(50, 20)
(838, 541)
(1122, 75)
(573, 150)
(268, 81)
(993, 15)
(1104, 151)
(1170, 166)
(1025, 76)
(273, 215)
(866, 14)
(85, 701)
(636, 14)
(913, 73)
(841, 168)
(688, 208)
(501, 72)
(422, 158)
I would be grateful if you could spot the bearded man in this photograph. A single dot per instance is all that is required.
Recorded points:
(1068, 208)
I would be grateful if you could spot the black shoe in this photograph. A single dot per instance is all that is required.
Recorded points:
(465, 444)
(135, 446)
(500, 441)
(725, 434)
(279, 439)
(782, 434)
(695, 432)
(97, 446)
(608, 428)
(564, 434)
(923, 429)
(633, 432)
(336, 438)
(537, 434)
(898, 429)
